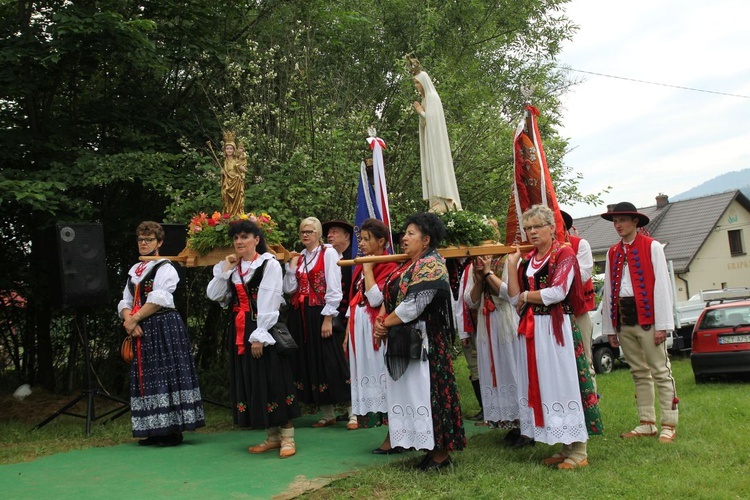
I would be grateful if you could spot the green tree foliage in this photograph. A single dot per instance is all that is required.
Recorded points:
(106, 107)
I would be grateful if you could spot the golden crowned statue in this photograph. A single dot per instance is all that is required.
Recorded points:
(233, 168)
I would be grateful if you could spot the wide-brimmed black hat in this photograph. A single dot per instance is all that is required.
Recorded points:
(337, 223)
(626, 208)
(567, 219)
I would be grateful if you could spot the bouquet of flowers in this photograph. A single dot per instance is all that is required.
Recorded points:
(206, 233)
(467, 228)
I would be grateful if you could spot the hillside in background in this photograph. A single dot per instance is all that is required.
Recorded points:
(726, 182)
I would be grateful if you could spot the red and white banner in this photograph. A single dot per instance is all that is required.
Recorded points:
(532, 181)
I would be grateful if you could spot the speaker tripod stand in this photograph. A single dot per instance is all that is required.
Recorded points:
(88, 394)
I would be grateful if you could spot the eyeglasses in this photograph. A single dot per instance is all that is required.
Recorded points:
(145, 240)
(534, 228)
(306, 232)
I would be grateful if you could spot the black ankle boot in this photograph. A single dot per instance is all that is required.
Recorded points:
(171, 439)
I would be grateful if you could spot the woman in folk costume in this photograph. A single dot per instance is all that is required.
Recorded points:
(439, 186)
(313, 279)
(260, 380)
(557, 400)
(497, 345)
(366, 361)
(165, 399)
(424, 409)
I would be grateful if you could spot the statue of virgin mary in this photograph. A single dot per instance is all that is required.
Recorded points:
(439, 186)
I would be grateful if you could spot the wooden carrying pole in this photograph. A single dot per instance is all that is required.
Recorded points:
(448, 253)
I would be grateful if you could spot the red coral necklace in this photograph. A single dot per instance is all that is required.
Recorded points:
(239, 266)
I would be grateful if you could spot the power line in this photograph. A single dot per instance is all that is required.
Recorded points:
(659, 84)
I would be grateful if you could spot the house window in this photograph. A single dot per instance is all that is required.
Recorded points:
(735, 242)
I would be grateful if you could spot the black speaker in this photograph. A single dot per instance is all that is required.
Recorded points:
(82, 265)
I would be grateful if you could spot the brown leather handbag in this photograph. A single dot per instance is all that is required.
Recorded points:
(126, 349)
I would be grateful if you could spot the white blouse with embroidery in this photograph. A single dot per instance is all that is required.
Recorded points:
(270, 297)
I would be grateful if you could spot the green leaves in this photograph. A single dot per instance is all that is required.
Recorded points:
(32, 195)
(467, 228)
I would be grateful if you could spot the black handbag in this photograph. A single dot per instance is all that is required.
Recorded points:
(338, 326)
(405, 342)
(285, 344)
(415, 336)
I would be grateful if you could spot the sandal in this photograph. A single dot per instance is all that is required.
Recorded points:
(570, 463)
(668, 434)
(555, 459)
(353, 424)
(646, 429)
(324, 423)
(288, 449)
(265, 446)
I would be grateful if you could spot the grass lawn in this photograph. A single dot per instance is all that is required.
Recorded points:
(710, 458)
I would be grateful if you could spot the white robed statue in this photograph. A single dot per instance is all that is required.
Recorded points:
(439, 186)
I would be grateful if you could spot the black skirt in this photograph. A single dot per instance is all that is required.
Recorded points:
(261, 390)
(321, 370)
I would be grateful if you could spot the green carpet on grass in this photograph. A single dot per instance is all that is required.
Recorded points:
(204, 466)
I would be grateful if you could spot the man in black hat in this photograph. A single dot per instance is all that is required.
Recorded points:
(339, 235)
(638, 299)
(586, 265)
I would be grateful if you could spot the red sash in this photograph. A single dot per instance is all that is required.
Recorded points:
(240, 309)
(138, 352)
(487, 310)
(526, 329)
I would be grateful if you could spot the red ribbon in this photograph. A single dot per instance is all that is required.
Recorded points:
(240, 311)
(139, 358)
(526, 329)
(487, 310)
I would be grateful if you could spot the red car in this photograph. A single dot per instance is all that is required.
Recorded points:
(721, 340)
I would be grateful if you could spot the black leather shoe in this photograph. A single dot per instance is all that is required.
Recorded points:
(512, 436)
(433, 465)
(171, 439)
(479, 417)
(392, 451)
(523, 442)
(425, 460)
(150, 441)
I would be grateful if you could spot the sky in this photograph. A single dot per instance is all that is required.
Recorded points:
(642, 139)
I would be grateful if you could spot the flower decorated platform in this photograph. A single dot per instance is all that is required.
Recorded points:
(208, 240)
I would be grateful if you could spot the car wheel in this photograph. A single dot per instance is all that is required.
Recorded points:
(604, 360)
